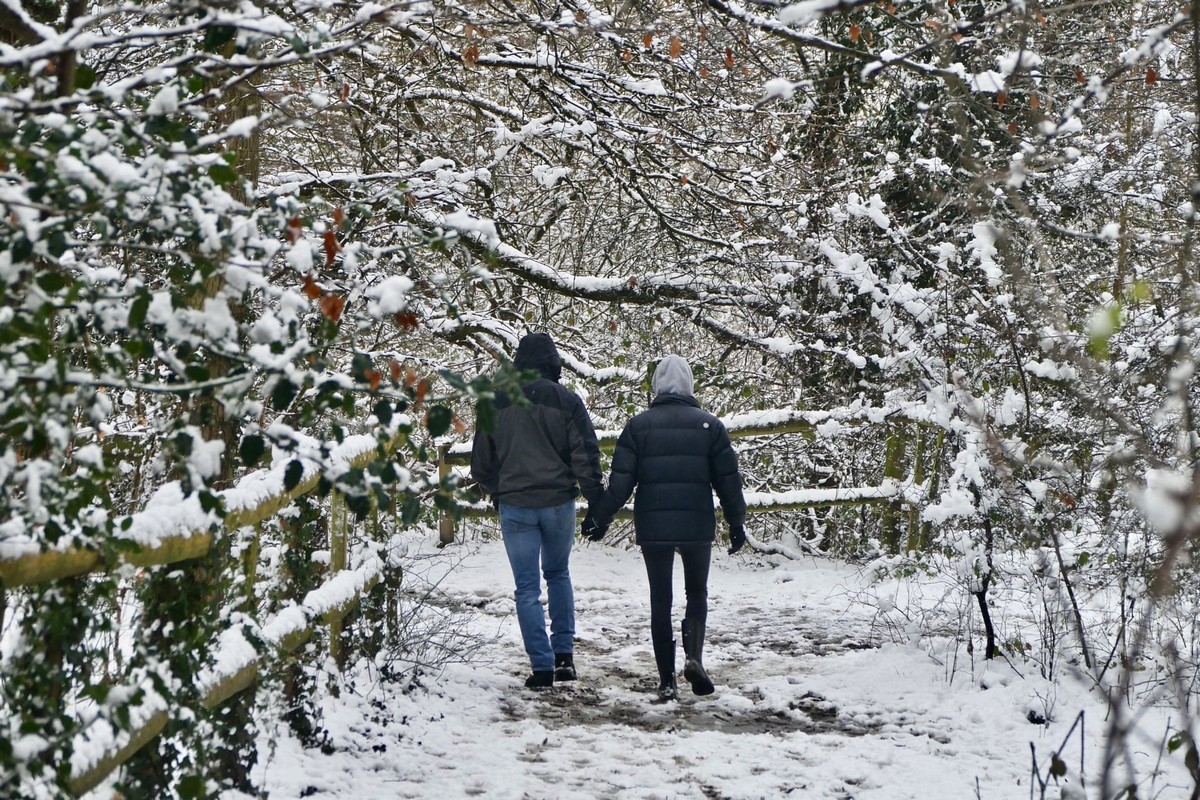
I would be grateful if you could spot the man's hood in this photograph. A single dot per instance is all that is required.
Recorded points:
(537, 351)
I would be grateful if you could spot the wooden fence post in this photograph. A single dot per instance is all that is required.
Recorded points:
(446, 521)
(918, 477)
(250, 570)
(338, 534)
(893, 468)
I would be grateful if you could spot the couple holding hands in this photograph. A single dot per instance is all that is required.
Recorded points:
(543, 453)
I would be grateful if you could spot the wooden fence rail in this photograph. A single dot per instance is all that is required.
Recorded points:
(262, 494)
(256, 497)
(285, 632)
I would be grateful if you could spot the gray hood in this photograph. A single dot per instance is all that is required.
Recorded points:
(672, 375)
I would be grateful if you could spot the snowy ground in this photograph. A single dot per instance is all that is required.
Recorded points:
(812, 701)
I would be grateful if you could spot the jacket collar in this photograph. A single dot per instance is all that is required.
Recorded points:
(672, 398)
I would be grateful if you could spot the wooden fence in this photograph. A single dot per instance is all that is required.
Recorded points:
(262, 494)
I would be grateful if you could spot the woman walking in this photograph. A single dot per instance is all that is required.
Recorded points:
(675, 454)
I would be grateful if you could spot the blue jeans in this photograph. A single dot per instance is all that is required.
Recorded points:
(540, 539)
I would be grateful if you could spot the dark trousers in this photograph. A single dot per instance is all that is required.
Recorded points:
(660, 560)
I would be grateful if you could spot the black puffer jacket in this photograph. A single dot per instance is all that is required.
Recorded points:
(676, 454)
(539, 453)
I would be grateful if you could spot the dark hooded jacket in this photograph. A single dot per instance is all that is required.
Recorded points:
(675, 454)
(545, 453)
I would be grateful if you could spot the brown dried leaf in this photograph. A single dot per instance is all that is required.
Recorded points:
(331, 307)
(332, 248)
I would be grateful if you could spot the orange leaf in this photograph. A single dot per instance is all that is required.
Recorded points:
(855, 32)
(293, 230)
(958, 37)
(648, 40)
(410, 377)
(1012, 127)
(704, 72)
(339, 217)
(459, 425)
(422, 390)
(580, 17)
(331, 307)
(311, 290)
(395, 368)
(470, 55)
(1041, 17)
(625, 54)
(1079, 75)
(1151, 76)
(332, 248)
(1034, 102)
(676, 47)
(345, 92)
(683, 179)
(728, 58)
(612, 325)
(933, 23)
(374, 378)
(1001, 99)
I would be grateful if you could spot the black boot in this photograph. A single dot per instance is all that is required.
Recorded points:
(564, 667)
(664, 658)
(693, 648)
(540, 679)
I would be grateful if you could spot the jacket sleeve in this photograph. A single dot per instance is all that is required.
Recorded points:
(585, 452)
(484, 467)
(621, 480)
(726, 478)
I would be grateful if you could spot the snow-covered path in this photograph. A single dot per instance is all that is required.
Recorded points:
(811, 701)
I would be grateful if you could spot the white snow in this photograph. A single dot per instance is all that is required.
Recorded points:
(389, 296)
(806, 11)
(818, 696)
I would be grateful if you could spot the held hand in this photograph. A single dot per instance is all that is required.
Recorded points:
(737, 538)
(592, 530)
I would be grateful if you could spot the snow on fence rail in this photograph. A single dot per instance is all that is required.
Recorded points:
(173, 528)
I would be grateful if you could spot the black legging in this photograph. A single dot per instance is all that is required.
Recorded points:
(660, 559)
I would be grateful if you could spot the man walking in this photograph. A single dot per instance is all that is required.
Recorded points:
(534, 464)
